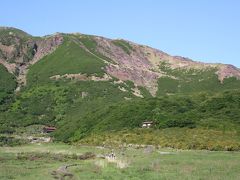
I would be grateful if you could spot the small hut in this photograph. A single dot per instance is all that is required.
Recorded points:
(147, 124)
(48, 129)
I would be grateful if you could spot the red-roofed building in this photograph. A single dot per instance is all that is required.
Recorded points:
(48, 129)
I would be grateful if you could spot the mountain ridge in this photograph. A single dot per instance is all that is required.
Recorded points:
(128, 60)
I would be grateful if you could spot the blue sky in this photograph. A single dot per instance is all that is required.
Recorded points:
(204, 30)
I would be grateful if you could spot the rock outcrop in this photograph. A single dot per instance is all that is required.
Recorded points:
(18, 50)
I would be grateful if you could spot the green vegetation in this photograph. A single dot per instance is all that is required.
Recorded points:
(91, 45)
(7, 80)
(218, 112)
(11, 141)
(193, 103)
(192, 111)
(43, 161)
(177, 138)
(59, 103)
(88, 42)
(124, 45)
(189, 81)
(7, 84)
(69, 58)
(80, 118)
(5, 32)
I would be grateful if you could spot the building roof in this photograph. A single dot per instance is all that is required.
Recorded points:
(148, 122)
(49, 128)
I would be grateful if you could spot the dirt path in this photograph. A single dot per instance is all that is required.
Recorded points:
(63, 173)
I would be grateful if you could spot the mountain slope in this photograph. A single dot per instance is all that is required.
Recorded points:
(144, 66)
(85, 84)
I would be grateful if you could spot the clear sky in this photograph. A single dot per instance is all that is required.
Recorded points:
(204, 30)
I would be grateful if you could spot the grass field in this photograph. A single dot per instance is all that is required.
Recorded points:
(44, 161)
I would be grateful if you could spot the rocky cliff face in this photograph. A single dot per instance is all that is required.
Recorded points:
(140, 64)
(18, 50)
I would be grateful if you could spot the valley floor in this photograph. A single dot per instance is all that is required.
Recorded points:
(62, 161)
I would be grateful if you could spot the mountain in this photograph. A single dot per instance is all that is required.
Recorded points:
(126, 61)
(83, 84)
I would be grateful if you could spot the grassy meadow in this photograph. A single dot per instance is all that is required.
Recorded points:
(44, 161)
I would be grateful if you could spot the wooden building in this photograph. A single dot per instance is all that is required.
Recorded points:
(147, 124)
(48, 129)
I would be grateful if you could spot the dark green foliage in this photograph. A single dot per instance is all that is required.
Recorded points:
(176, 123)
(7, 84)
(39, 105)
(7, 80)
(176, 111)
(145, 93)
(6, 129)
(100, 95)
(11, 141)
(167, 85)
(60, 104)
